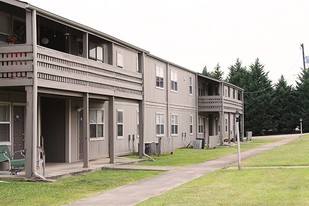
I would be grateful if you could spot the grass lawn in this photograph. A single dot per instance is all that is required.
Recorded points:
(187, 156)
(249, 186)
(246, 187)
(66, 189)
(294, 153)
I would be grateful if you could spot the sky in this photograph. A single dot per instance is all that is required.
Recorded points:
(198, 33)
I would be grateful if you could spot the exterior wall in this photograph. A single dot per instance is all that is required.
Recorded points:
(153, 93)
(129, 58)
(169, 102)
(98, 147)
(128, 143)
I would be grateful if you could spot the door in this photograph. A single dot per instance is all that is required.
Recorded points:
(53, 128)
(80, 134)
(18, 129)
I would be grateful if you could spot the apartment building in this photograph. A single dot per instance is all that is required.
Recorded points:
(81, 94)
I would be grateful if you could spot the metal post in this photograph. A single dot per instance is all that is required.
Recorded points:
(303, 53)
(301, 127)
(238, 139)
(86, 129)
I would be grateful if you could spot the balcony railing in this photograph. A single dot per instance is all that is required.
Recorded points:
(16, 65)
(210, 103)
(68, 72)
(215, 103)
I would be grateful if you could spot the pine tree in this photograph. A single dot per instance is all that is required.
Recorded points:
(302, 87)
(285, 117)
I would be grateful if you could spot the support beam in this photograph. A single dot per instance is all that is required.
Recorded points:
(111, 138)
(86, 129)
(29, 137)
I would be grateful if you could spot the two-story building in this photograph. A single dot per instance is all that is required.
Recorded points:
(81, 94)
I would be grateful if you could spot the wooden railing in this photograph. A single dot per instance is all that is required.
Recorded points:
(210, 103)
(215, 103)
(68, 72)
(16, 65)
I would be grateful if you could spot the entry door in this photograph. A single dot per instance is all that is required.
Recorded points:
(18, 129)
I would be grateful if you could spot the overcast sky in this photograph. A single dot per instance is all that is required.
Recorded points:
(195, 33)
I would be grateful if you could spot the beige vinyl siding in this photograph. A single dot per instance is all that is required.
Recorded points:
(125, 144)
(152, 93)
(125, 58)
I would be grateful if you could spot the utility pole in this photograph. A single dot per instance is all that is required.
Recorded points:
(303, 51)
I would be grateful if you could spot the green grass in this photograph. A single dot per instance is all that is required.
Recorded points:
(293, 153)
(66, 189)
(282, 187)
(246, 187)
(188, 156)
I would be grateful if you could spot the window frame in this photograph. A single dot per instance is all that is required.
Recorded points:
(174, 124)
(159, 116)
(191, 125)
(9, 123)
(97, 137)
(120, 60)
(201, 129)
(159, 77)
(120, 123)
(93, 51)
(174, 81)
(190, 86)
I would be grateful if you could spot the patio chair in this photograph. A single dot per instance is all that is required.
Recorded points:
(14, 164)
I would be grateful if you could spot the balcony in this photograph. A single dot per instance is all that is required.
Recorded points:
(63, 71)
(16, 65)
(215, 103)
(210, 103)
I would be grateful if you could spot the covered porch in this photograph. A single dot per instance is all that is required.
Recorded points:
(58, 170)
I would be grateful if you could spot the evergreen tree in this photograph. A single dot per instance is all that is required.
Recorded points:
(238, 75)
(285, 117)
(217, 73)
(302, 87)
(205, 72)
(259, 111)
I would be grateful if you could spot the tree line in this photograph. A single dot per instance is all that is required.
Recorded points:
(269, 108)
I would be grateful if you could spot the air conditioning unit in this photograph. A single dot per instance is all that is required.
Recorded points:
(197, 144)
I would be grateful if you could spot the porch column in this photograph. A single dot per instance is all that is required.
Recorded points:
(141, 130)
(222, 127)
(86, 129)
(111, 139)
(30, 139)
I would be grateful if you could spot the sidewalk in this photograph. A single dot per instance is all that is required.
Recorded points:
(139, 191)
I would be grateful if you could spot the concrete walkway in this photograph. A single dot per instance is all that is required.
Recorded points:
(139, 191)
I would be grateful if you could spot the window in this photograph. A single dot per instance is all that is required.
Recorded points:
(5, 123)
(159, 124)
(226, 126)
(200, 125)
(190, 86)
(96, 51)
(159, 77)
(174, 86)
(191, 124)
(96, 123)
(174, 124)
(120, 61)
(119, 123)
